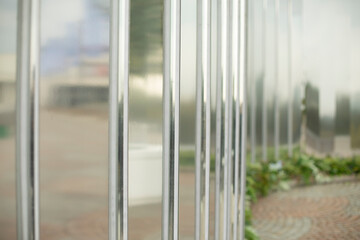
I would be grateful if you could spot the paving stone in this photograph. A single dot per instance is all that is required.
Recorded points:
(321, 212)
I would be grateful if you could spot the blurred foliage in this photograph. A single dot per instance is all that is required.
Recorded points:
(4, 131)
(261, 179)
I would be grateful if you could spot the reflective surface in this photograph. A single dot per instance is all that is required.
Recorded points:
(203, 109)
(74, 109)
(8, 34)
(119, 120)
(330, 82)
(74, 120)
(27, 119)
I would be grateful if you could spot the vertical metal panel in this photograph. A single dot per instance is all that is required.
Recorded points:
(252, 81)
(171, 100)
(243, 99)
(118, 120)
(229, 187)
(27, 120)
(219, 127)
(264, 103)
(224, 96)
(235, 76)
(276, 66)
(203, 112)
(290, 86)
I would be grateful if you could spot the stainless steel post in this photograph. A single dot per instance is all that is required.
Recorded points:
(243, 113)
(27, 119)
(264, 95)
(203, 114)
(276, 95)
(171, 107)
(119, 120)
(290, 86)
(224, 96)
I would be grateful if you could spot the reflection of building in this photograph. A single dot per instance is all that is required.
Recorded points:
(312, 109)
(75, 66)
(7, 89)
(342, 125)
(337, 134)
(342, 115)
(355, 121)
(319, 139)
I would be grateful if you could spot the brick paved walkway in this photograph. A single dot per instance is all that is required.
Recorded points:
(321, 212)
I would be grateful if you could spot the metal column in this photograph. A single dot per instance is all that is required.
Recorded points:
(223, 120)
(276, 95)
(235, 75)
(171, 106)
(252, 81)
(119, 120)
(243, 113)
(264, 102)
(203, 114)
(290, 86)
(27, 120)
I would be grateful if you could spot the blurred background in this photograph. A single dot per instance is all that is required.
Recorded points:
(319, 53)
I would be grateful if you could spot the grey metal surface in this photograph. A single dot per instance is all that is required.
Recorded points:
(243, 100)
(276, 83)
(235, 74)
(290, 81)
(222, 125)
(119, 120)
(264, 103)
(171, 100)
(203, 114)
(27, 120)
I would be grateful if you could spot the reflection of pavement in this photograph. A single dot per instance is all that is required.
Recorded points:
(73, 182)
(328, 212)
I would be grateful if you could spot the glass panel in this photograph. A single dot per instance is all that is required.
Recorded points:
(297, 70)
(270, 75)
(145, 120)
(283, 81)
(328, 68)
(187, 120)
(8, 13)
(354, 76)
(74, 119)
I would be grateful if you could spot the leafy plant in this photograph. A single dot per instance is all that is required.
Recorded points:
(250, 233)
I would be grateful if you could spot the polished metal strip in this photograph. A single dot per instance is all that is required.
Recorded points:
(119, 120)
(229, 187)
(290, 87)
(219, 127)
(27, 119)
(235, 76)
(276, 84)
(243, 99)
(171, 114)
(202, 192)
(222, 136)
(227, 98)
(264, 95)
(252, 82)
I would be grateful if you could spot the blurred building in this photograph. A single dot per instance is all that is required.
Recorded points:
(78, 61)
(7, 92)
